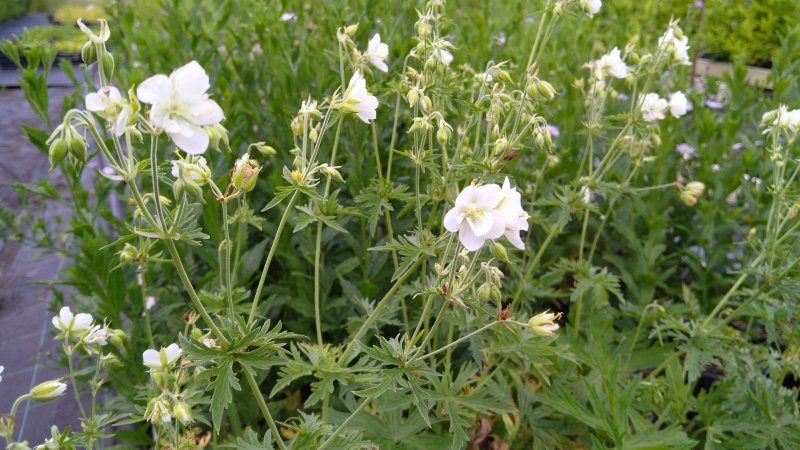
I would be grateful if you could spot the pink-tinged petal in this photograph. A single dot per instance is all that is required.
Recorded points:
(190, 81)
(469, 240)
(451, 220)
(481, 223)
(515, 239)
(154, 90)
(94, 102)
(206, 112)
(196, 143)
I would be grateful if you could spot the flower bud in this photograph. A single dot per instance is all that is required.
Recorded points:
(351, 29)
(265, 150)
(88, 53)
(57, 152)
(413, 96)
(245, 173)
(183, 412)
(443, 135)
(49, 390)
(695, 188)
(297, 126)
(217, 134)
(543, 324)
(545, 89)
(118, 337)
(425, 103)
(499, 252)
(107, 64)
(157, 411)
(484, 292)
(331, 172)
(128, 254)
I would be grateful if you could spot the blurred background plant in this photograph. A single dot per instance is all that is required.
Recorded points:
(640, 359)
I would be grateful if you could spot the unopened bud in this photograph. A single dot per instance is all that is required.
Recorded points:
(49, 390)
(88, 53)
(499, 252)
(183, 412)
(245, 173)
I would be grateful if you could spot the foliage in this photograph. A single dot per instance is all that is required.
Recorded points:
(330, 314)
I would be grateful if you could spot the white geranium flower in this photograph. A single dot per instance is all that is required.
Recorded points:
(515, 217)
(73, 324)
(612, 64)
(677, 48)
(357, 100)
(377, 52)
(591, 7)
(475, 215)
(288, 16)
(97, 335)
(653, 107)
(793, 121)
(181, 106)
(162, 359)
(1, 372)
(108, 103)
(679, 104)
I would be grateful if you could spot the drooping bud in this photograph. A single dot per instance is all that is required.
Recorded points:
(183, 412)
(499, 252)
(88, 53)
(265, 150)
(57, 152)
(49, 390)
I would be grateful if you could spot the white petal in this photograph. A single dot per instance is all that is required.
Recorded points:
(489, 196)
(151, 358)
(192, 140)
(451, 222)
(513, 237)
(206, 112)
(379, 64)
(190, 81)
(469, 240)
(154, 89)
(481, 223)
(82, 322)
(94, 102)
(173, 352)
(498, 225)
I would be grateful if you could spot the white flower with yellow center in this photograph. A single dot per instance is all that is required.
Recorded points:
(181, 106)
(611, 64)
(76, 324)
(653, 107)
(108, 103)
(475, 215)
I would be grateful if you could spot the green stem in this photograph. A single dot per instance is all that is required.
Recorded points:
(262, 404)
(227, 260)
(271, 253)
(433, 330)
(344, 424)
(75, 390)
(192, 293)
(730, 293)
(381, 304)
(454, 343)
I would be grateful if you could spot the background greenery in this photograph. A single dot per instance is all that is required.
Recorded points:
(735, 388)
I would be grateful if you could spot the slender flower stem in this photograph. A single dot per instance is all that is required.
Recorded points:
(454, 343)
(75, 391)
(192, 293)
(272, 249)
(731, 291)
(227, 260)
(262, 404)
(381, 304)
(432, 331)
(344, 424)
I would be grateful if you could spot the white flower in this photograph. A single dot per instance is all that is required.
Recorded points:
(686, 151)
(586, 195)
(73, 324)
(288, 16)
(149, 302)
(653, 107)
(677, 48)
(475, 216)
(1, 371)
(195, 171)
(793, 120)
(377, 52)
(591, 7)
(162, 359)
(109, 103)
(97, 335)
(679, 104)
(357, 100)
(515, 217)
(612, 64)
(444, 56)
(181, 106)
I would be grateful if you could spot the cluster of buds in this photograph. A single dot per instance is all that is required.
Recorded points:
(66, 141)
(161, 409)
(245, 173)
(416, 98)
(94, 50)
(539, 89)
(490, 289)
(190, 175)
(166, 372)
(691, 192)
